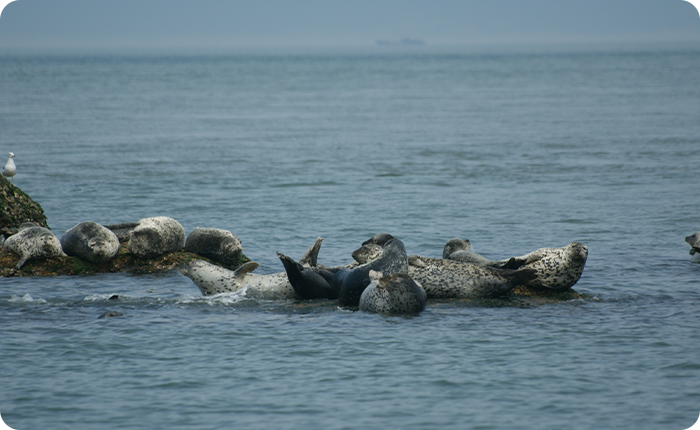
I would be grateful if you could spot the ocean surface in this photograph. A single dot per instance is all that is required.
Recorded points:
(514, 151)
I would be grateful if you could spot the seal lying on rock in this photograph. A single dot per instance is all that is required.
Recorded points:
(556, 268)
(215, 244)
(447, 279)
(33, 242)
(91, 242)
(156, 236)
(694, 242)
(393, 294)
(211, 279)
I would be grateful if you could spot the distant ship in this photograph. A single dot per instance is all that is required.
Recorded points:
(403, 42)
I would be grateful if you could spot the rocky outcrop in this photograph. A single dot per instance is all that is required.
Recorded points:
(16, 207)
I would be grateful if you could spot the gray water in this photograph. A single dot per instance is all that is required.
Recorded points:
(513, 151)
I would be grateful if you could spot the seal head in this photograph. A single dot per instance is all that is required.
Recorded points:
(694, 241)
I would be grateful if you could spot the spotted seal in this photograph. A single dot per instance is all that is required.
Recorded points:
(215, 244)
(156, 236)
(555, 268)
(393, 294)
(91, 242)
(694, 242)
(33, 242)
(447, 279)
(212, 279)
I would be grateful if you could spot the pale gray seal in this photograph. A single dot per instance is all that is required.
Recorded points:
(694, 242)
(91, 242)
(555, 268)
(211, 279)
(215, 244)
(393, 294)
(460, 250)
(447, 279)
(33, 242)
(156, 236)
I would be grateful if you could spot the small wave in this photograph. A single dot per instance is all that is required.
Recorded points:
(27, 298)
(218, 299)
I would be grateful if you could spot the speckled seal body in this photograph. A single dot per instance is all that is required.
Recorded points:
(392, 295)
(215, 244)
(156, 236)
(555, 268)
(694, 241)
(91, 242)
(212, 279)
(33, 243)
(447, 279)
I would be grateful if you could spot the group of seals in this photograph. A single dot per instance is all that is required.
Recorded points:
(149, 237)
(460, 274)
(346, 284)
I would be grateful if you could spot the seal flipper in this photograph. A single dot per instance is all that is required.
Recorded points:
(522, 277)
(244, 269)
(22, 260)
(310, 257)
(307, 283)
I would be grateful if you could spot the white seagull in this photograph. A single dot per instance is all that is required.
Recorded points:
(10, 169)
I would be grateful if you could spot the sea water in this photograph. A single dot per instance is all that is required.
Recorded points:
(514, 151)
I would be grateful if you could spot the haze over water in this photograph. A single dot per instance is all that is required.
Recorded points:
(514, 151)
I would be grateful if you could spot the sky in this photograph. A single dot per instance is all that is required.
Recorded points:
(222, 24)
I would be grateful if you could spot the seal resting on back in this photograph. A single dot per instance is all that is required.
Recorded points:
(211, 279)
(555, 268)
(33, 242)
(91, 242)
(447, 279)
(694, 242)
(392, 295)
(156, 236)
(215, 244)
